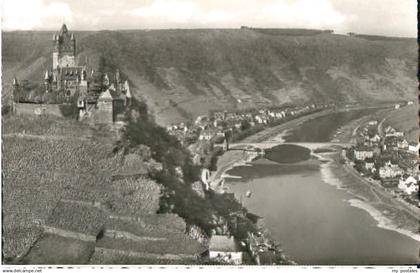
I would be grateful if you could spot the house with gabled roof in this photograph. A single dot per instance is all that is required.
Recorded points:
(225, 248)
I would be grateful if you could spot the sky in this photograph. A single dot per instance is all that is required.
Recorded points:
(377, 17)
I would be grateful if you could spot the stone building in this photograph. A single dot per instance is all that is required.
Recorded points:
(66, 75)
(226, 249)
(98, 96)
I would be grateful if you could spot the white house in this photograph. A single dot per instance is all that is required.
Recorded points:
(413, 148)
(408, 185)
(402, 144)
(205, 177)
(375, 138)
(390, 170)
(226, 249)
(369, 164)
(362, 153)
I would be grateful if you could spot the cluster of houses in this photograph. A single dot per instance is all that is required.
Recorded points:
(388, 157)
(214, 127)
(220, 127)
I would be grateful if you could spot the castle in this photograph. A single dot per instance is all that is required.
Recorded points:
(65, 75)
(66, 80)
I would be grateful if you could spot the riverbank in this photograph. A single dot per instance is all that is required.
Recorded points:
(381, 206)
(234, 158)
(387, 209)
(389, 212)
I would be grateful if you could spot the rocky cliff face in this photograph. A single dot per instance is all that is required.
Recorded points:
(184, 73)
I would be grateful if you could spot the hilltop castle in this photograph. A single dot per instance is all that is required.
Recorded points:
(103, 103)
(65, 75)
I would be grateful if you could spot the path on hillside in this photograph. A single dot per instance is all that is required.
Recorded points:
(44, 137)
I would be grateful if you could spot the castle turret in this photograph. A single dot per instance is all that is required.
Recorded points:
(126, 87)
(127, 93)
(15, 92)
(106, 80)
(15, 82)
(83, 86)
(117, 77)
(47, 81)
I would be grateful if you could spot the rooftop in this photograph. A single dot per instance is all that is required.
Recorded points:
(223, 243)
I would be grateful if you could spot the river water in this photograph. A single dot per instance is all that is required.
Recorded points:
(311, 218)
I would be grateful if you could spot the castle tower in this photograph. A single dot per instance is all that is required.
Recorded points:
(47, 81)
(15, 82)
(106, 80)
(127, 93)
(83, 86)
(117, 77)
(15, 95)
(64, 49)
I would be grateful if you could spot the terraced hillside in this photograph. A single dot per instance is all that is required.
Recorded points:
(184, 73)
(67, 199)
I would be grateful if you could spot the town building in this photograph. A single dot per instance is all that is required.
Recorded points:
(403, 144)
(361, 153)
(413, 147)
(266, 258)
(390, 170)
(369, 164)
(409, 185)
(225, 249)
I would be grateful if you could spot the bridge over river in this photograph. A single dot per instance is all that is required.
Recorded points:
(270, 144)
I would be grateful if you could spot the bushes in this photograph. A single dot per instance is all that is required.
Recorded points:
(142, 130)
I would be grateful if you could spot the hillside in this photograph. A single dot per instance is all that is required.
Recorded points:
(105, 193)
(405, 119)
(184, 73)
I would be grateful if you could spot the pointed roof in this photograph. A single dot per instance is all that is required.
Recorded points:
(117, 76)
(128, 93)
(105, 95)
(106, 77)
(47, 76)
(223, 243)
(63, 29)
(15, 81)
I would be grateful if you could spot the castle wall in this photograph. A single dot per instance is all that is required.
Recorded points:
(69, 234)
(103, 113)
(55, 60)
(38, 109)
(108, 254)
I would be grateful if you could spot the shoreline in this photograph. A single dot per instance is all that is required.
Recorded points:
(232, 158)
(337, 175)
(392, 217)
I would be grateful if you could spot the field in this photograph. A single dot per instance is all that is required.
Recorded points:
(65, 175)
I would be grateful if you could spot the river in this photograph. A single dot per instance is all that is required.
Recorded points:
(314, 220)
